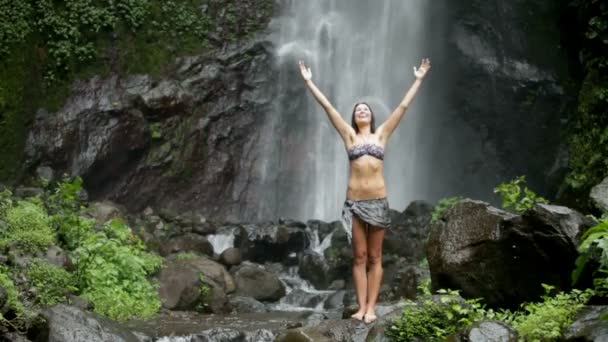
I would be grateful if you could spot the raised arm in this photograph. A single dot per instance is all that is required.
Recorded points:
(344, 129)
(387, 127)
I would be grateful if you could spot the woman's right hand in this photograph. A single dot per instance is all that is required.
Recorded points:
(306, 73)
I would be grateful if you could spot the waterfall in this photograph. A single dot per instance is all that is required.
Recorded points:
(221, 242)
(357, 50)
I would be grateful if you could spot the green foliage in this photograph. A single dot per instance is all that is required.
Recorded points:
(443, 205)
(112, 268)
(12, 301)
(588, 133)
(512, 196)
(5, 202)
(15, 23)
(435, 318)
(28, 226)
(51, 283)
(547, 320)
(183, 256)
(205, 293)
(594, 242)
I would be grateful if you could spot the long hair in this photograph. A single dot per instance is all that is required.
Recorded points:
(372, 123)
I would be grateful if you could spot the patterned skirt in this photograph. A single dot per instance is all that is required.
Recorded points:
(374, 212)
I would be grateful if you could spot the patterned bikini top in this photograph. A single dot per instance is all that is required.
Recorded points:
(360, 150)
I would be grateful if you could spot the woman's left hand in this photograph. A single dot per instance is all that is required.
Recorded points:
(425, 65)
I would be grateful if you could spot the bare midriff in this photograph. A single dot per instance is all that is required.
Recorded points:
(366, 180)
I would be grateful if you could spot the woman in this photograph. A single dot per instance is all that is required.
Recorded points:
(366, 206)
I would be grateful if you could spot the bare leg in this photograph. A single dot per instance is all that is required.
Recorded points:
(375, 238)
(359, 265)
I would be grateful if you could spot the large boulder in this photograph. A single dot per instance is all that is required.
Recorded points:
(256, 282)
(70, 324)
(181, 282)
(501, 257)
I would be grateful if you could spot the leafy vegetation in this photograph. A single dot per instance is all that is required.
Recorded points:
(434, 318)
(594, 246)
(588, 140)
(442, 206)
(111, 266)
(513, 197)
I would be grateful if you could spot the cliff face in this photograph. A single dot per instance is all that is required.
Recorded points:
(182, 141)
(501, 101)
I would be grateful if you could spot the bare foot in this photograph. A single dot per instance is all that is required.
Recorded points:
(358, 316)
(370, 317)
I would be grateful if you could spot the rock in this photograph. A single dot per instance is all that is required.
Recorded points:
(503, 258)
(589, 325)
(409, 231)
(227, 334)
(242, 304)
(181, 281)
(408, 279)
(26, 192)
(70, 324)
(186, 243)
(270, 242)
(14, 337)
(335, 301)
(104, 211)
(56, 255)
(314, 268)
(255, 282)
(484, 331)
(46, 173)
(301, 298)
(599, 195)
(231, 257)
(337, 284)
(186, 141)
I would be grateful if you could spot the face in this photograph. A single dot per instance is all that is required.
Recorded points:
(363, 114)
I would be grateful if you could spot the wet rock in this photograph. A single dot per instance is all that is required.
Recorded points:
(181, 281)
(335, 301)
(70, 324)
(231, 257)
(409, 231)
(301, 298)
(589, 325)
(242, 304)
(256, 282)
(503, 258)
(184, 141)
(314, 268)
(232, 335)
(271, 242)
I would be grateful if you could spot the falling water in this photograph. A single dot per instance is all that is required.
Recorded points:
(358, 50)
